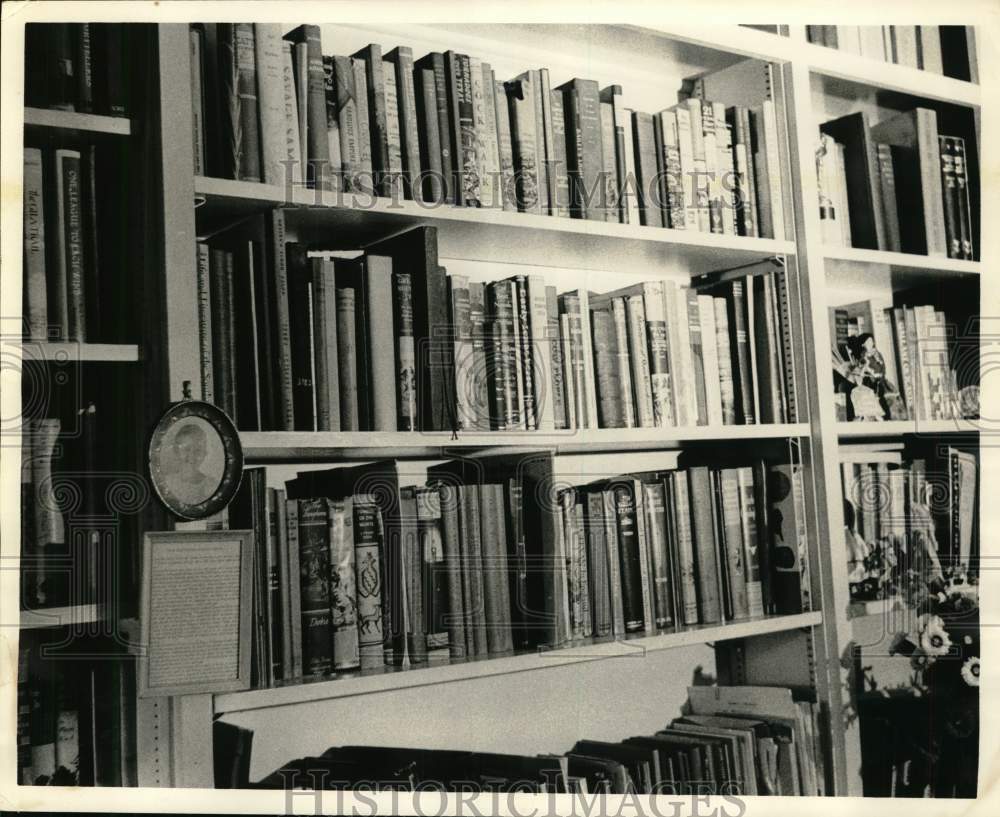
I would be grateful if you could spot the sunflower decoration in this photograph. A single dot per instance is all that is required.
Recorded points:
(934, 640)
(970, 671)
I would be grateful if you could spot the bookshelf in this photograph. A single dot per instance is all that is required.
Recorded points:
(174, 735)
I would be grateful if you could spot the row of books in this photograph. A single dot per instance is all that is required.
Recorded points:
(926, 509)
(356, 569)
(731, 741)
(293, 340)
(72, 719)
(64, 541)
(77, 67)
(898, 185)
(907, 355)
(442, 128)
(940, 49)
(61, 268)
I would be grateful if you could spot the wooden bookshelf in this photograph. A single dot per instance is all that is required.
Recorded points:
(82, 352)
(479, 233)
(80, 123)
(292, 446)
(382, 681)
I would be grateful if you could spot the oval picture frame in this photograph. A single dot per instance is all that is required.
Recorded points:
(195, 459)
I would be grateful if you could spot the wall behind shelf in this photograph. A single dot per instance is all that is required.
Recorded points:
(549, 711)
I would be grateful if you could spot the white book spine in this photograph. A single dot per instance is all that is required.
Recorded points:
(541, 353)
(624, 370)
(713, 390)
(293, 142)
(271, 100)
(34, 245)
(640, 361)
(686, 149)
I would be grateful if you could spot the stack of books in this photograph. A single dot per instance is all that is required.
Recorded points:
(444, 129)
(71, 727)
(293, 339)
(732, 741)
(358, 568)
(897, 186)
(77, 67)
(940, 49)
(62, 290)
(911, 347)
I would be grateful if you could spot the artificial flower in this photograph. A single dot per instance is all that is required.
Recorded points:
(970, 671)
(933, 636)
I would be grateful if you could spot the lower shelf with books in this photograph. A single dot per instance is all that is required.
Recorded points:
(387, 679)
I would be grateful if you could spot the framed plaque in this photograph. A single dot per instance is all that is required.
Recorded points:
(195, 612)
(195, 459)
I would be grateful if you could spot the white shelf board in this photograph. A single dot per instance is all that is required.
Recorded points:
(908, 264)
(349, 686)
(347, 221)
(261, 446)
(65, 352)
(857, 70)
(60, 616)
(899, 428)
(75, 121)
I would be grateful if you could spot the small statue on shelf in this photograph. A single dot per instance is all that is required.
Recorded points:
(872, 396)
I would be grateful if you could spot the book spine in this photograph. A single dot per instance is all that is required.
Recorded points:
(557, 162)
(709, 602)
(93, 293)
(673, 171)
(639, 356)
(741, 349)
(449, 146)
(479, 382)
(569, 372)
(516, 356)
(402, 59)
(571, 538)
(71, 224)
(786, 578)
(384, 377)
(505, 146)
(732, 544)
(614, 570)
(369, 581)
(393, 179)
(609, 169)
(713, 393)
(327, 347)
(347, 359)
(628, 545)
(606, 363)
(630, 192)
(646, 169)
(700, 187)
(314, 582)
(774, 174)
(221, 349)
(410, 599)
(964, 207)
(557, 382)
(656, 523)
(248, 149)
(750, 541)
(44, 588)
(748, 181)
(540, 351)
(430, 171)
(470, 180)
(472, 569)
(588, 162)
(371, 55)
(333, 170)
(586, 605)
(270, 101)
(84, 69)
(34, 246)
(689, 179)
(205, 324)
(786, 348)
(621, 325)
(293, 585)
(280, 272)
(293, 173)
(365, 177)
(519, 290)
(457, 614)
(659, 364)
(597, 562)
(343, 585)
(484, 117)
(496, 590)
(342, 103)
(622, 147)
(697, 355)
(517, 565)
(726, 169)
(725, 354)
(433, 570)
(549, 173)
(710, 142)
(541, 157)
(645, 558)
(504, 405)
(301, 334)
(461, 320)
(196, 47)
(406, 363)
(521, 97)
(887, 188)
